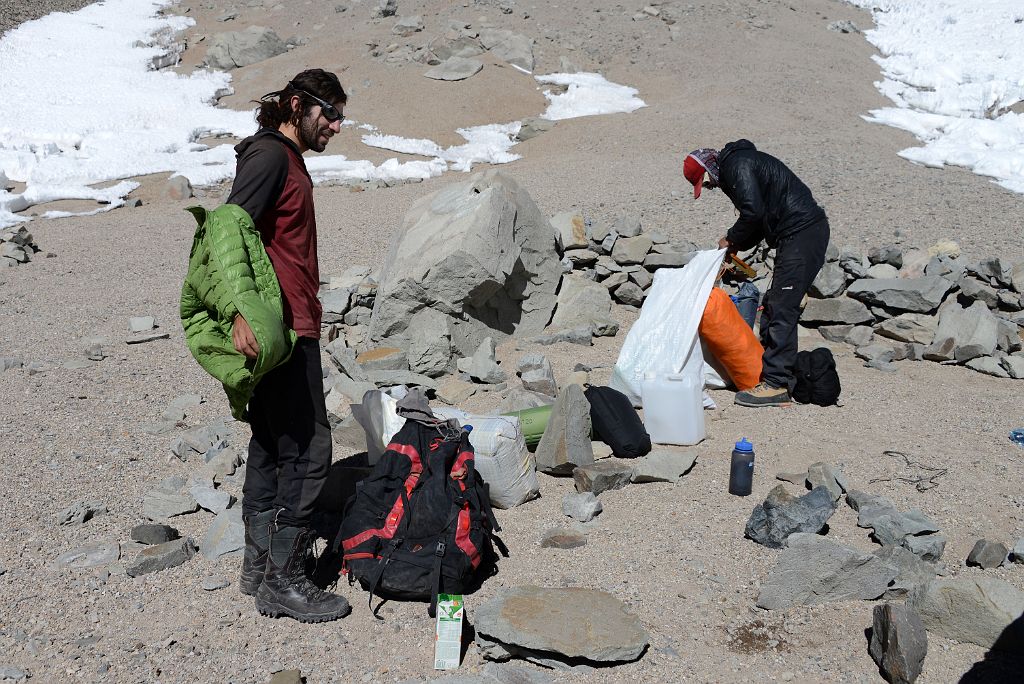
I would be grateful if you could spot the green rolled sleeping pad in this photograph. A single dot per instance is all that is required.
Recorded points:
(533, 422)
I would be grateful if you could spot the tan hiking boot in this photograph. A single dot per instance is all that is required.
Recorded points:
(763, 395)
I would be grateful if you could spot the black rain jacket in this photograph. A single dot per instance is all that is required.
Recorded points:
(773, 203)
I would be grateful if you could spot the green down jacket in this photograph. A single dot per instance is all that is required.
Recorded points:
(229, 273)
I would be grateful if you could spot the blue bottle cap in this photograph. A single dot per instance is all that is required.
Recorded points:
(744, 445)
(467, 428)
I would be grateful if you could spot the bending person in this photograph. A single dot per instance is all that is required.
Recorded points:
(775, 206)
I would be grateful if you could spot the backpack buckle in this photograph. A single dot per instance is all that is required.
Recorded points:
(439, 551)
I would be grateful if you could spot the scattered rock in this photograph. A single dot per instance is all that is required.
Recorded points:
(983, 611)
(241, 48)
(581, 506)
(152, 534)
(838, 310)
(987, 555)
(663, 465)
(580, 302)
(572, 230)
(535, 372)
(602, 477)
(561, 538)
(566, 441)
(482, 366)
(912, 570)
(455, 69)
(383, 359)
(909, 327)
(920, 295)
(455, 392)
(225, 536)
(90, 555)
(783, 514)
(161, 504)
(813, 570)
(406, 26)
(210, 499)
(581, 334)
(12, 673)
(963, 334)
(78, 513)
(844, 26)
(854, 335)
(583, 626)
(161, 557)
(287, 677)
(824, 475)
(532, 127)
(214, 582)
(141, 324)
(899, 643)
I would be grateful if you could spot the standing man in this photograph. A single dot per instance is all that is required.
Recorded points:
(774, 206)
(290, 449)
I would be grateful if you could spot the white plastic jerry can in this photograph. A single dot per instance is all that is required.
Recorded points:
(673, 408)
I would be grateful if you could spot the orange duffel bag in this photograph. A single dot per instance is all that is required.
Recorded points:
(731, 340)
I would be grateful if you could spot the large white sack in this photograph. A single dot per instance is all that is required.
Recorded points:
(502, 459)
(664, 339)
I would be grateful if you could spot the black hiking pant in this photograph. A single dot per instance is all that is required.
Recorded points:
(290, 449)
(797, 262)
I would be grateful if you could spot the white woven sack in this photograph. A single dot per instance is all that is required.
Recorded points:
(664, 339)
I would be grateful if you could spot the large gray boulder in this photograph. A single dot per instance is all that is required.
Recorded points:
(242, 48)
(813, 570)
(480, 253)
(783, 514)
(964, 334)
(584, 626)
(921, 295)
(983, 611)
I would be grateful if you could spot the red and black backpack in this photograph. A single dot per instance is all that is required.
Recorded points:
(421, 523)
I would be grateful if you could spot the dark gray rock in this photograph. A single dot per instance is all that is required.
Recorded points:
(886, 254)
(161, 557)
(566, 441)
(972, 290)
(983, 611)
(602, 476)
(581, 506)
(152, 534)
(582, 335)
(783, 514)
(899, 643)
(562, 538)
(629, 293)
(565, 623)
(813, 570)
(987, 554)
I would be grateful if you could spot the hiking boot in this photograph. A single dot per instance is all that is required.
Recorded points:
(286, 590)
(763, 395)
(257, 545)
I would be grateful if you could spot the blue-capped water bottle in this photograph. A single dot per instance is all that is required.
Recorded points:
(741, 471)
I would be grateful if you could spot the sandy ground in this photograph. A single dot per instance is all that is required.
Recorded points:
(768, 71)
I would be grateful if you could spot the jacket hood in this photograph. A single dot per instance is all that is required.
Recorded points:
(736, 146)
(241, 147)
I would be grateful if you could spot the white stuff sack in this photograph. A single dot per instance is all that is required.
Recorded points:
(664, 339)
(501, 456)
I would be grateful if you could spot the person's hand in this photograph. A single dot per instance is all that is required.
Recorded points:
(243, 338)
(725, 244)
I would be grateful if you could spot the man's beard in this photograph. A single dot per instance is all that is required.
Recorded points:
(309, 133)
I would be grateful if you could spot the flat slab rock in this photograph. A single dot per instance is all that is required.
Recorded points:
(602, 476)
(574, 623)
(985, 611)
(813, 570)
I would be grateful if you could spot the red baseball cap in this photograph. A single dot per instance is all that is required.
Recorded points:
(694, 172)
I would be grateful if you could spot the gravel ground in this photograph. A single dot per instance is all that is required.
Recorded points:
(16, 12)
(675, 554)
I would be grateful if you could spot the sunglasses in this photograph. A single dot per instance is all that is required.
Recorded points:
(329, 111)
